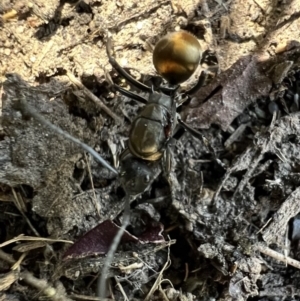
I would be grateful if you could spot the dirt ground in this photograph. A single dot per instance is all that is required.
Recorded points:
(225, 224)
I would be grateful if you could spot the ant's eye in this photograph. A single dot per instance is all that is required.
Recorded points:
(147, 179)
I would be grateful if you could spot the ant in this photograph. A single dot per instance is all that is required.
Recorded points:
(175, 57)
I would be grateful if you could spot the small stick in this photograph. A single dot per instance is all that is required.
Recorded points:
(32, 238)
(280, 257)
(19, 203)
(17, 264)
(159, 278)
(92, 184)
(264, 226)
(88, 298)
(121, 289)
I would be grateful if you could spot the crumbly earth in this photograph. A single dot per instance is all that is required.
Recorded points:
(229, 207)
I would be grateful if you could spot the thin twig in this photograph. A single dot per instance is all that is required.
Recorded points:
(20, 205)
(18, 262)
(264, 226)
(92, 184)
(280, 257)
(121, 289)
(159, 278)
(89, 298)
(135, 255)
(32, 238)
(163, 294)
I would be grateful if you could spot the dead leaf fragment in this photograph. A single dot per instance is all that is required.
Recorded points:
(6, 280)
(231, 93)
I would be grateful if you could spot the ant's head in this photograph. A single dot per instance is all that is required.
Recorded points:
(176, 56)
(135, 174)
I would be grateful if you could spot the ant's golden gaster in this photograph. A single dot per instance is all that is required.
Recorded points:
(176, 56)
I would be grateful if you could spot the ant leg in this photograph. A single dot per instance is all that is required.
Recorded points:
(168, 170)
(210, 59)
(190, 129)
(197, 134)
(121, 71)
(167, 159)
(130, 94)
(199, 84)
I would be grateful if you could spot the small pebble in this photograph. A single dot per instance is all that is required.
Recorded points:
(20, 29)
(7, 51)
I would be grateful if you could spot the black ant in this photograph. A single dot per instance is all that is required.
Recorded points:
(176, 57)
